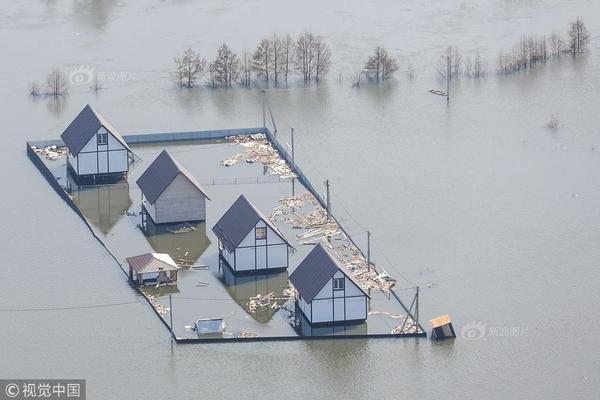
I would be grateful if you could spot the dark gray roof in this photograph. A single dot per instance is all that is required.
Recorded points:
(316, 270)
(235, 224)
(159, 175)
(84, 127)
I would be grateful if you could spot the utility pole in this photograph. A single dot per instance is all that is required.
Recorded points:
(328, 200)
(171, 315)
(448, 77)
(293, 159)
(369, 250)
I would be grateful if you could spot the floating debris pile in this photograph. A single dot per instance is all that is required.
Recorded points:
(258, 148)
(317, 227)
(407, 324)
(262, 302)
(51, 153)
(181, 228)
(247, 334)
(162, 311)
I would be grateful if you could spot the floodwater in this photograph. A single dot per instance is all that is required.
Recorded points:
(113, 212)
(476, 197)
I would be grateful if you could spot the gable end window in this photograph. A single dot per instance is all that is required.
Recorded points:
(261, 233)
(102, 138)
(338, 283)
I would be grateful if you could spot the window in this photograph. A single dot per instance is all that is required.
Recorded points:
(338, 283)
(102, 138)
(261, 233)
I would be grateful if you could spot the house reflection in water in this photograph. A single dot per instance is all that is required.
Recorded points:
(243, 287)
(304, 328)
(102, 205)
(185, 248)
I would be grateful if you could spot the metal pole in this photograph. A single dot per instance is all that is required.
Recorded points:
(171, 315)
(293, 160)
(448, 77)
(417, 309)
(369, 250)
(264, 111)
(328, 200)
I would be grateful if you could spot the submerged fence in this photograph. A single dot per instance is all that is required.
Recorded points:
(192, 136)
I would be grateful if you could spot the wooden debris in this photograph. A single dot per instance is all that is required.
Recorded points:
(184, 263)
(181, 228)
(259, 149)
(162, 311)
(247, 334)
(318, 229)
(51, 153)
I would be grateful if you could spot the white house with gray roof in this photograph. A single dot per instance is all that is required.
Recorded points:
(96, 149)
(327, 291)
(171, 193)
(248, 240)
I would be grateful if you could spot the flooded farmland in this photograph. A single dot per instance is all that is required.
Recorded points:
(476, 199)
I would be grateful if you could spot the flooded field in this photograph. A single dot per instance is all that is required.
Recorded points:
(476, 199)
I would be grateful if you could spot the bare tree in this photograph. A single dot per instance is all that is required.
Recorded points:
(35, 89)
(246, 70)
(552, 124)
(456, 63)
(357, 78)
(322, 58)
(287, 48)
(578, 36)
(557, 44)
(304, 55)
(410, 70)
(277, 56)
(190, 68)
(380, 66)
(225, 70)
(56, 83)
(262, 59)
(96, 86)
(476, 67)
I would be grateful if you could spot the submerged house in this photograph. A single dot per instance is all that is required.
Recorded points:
(152, 268)
(248, 241)
(97, 152)
(327, 292)
(171, 192)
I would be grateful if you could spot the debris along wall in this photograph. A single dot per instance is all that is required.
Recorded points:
(264, 148)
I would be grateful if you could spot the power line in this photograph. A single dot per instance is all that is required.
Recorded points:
(67, 308)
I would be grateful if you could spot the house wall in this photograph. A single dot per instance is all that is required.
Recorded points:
(180, 201)
(151, 210)
(100, 159)
(261, 254)
(337, 305)
(229, 257)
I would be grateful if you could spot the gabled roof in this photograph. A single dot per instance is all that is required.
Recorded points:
(159, 175)
(152, 262)
(84, 127)
(235, 224)
(316, 270)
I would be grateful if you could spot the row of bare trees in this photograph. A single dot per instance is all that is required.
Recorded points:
(530, 50)
(273, 60)
(55, 85)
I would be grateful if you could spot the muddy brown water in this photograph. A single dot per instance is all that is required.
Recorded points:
(477, 197)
